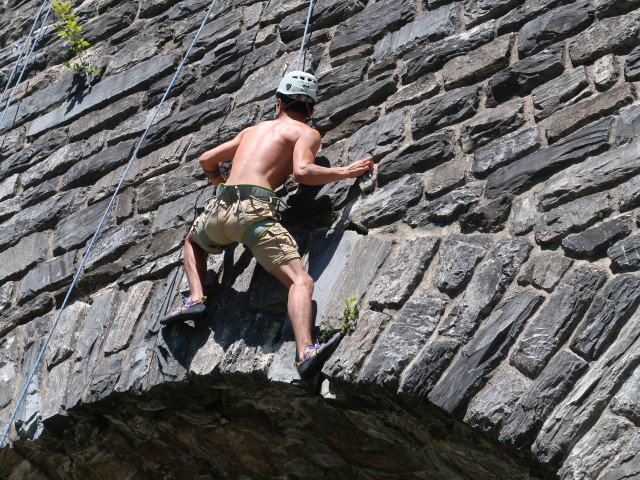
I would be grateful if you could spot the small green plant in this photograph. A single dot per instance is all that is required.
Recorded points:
(348, 320)
(69, 29)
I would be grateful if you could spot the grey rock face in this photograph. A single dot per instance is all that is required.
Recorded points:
(436, 54)
(478, 11)
(545, 271)
(606, 36)
(595, 240)
(324, 15)
(446, 208)
(554, 26)
(607, 316)
(628, 126)
(484, 353)
(398, 280)
(54, 163)
(425, 371)
(625, 255)
(489, 218)
(404, 338)
(338, 79)
(73, 230)
(597, 173)
(491, 407)
(91, 169)
(632, 65)
(516, 176)
(370, 24)
(630, 193)
(606, 72)
(567, 89)
(627, 465)
(47, 275)
(14, 261)
(8, 368)
(379, 138)
(459, 254)
(524, 75)
(444, 177)
(548, 390)
(491, 279)
(523, 214)
(444, 110)
(624, 403)
(557, 319)
(576, 215)
(388, 203)
(493, 124)
(114, 241)
(504, 150)
(63, 340)
(417, 157)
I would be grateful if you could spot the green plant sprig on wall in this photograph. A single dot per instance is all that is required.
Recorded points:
(348, 319)
(69, 30)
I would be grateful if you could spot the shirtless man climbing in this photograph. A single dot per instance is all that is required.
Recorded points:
(244, 209)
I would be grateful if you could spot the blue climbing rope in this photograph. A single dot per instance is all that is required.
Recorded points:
(26, 62)
(95, 235)
(304, 35)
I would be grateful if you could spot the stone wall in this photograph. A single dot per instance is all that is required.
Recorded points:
(494, 254)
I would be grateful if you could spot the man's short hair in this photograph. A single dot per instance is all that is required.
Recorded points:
(294, 105)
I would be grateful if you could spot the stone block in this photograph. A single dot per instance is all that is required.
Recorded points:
(570, 118)
(609, 313)
(73, 230)
(517, 176)
(275, 11)
(325, 15)
(228, 51)
(557, 320)
(402, 341)
(595, 450)
(337, 79)
(110, 22)
(566, 90)
(8, 187)
(402, 275)
(109, 116)
(6, 296)
(554, 26)
(179, 212)
(606, 71)
(610, 7)
(354, 100)
(522, 14)
(552, 385)
(447, 109)
(9, 207)
(39, 217)
(217, 30)
(108, 90)
(523, 214)
(625, 402)
(495, 123)
(378, 139)
(386, 204)
(476, 11)
(545, 271)
(489, 217)
(426, 369)
(625, 255)
(343, 264)
(504, 150)
(47, 275)
(370, 24)
(435, 25)
(606, 36)
(459, 254)
(40, 305)
(104, 378)
(632, 65)
(28, 418)
(572, 417)
(414, 93)
(488, 411)
(134, 126)
(491, 279)
(170, 186)
(630, 193)
(484, 353)
(524, 75)
(127, 316)
(54, 164)
(433, 56)
(444, 177)
(9, 361)
(91, 169)
(29, 251)
(114, 241)
(346, 362)
(446, 208)
(594, 241)
(63, 340)
(597, 173)
(628, 126)
(627, 463)
(418, 157)
(477, 64)
(39, 194)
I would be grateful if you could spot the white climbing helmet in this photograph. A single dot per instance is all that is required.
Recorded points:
(300, 86)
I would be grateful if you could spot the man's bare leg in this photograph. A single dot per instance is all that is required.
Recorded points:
(195, 265)
(293, 276)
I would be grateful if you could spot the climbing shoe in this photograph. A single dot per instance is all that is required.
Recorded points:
(187, 310)
(314, 356)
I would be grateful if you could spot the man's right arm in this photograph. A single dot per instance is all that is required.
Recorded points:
(211, 159)
(306, 172)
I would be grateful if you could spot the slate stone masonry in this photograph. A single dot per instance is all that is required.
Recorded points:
(494, 253)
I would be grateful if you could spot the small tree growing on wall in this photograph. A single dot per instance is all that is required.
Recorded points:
(69, 29)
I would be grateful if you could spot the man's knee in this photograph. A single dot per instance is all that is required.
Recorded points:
(304, 280)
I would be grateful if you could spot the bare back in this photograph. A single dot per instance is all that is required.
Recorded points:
(265, 152)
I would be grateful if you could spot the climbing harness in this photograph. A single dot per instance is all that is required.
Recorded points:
(100, 225)
(26, 62)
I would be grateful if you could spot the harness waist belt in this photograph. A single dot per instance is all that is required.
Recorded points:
(232, 193)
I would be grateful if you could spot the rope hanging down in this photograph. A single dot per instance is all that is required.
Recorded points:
(95, 235)
(304, 35)
(26, 62)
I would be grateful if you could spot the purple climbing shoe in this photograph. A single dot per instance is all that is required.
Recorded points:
(314, 356)
(187, 310)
